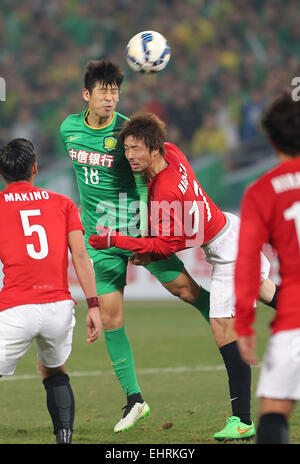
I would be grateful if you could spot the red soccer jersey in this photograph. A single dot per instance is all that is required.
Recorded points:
(270, 214)
(34, 227)
(181, 214)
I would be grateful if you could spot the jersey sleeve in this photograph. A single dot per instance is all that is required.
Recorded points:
(74, 221)
(142, 189)
(160, 247)
(253, 234)
(166, 233)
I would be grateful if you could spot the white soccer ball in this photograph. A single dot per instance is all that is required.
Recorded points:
(148, 51)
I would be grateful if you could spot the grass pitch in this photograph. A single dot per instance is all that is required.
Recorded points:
(179, 369)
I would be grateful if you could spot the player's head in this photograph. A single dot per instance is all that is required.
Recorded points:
(18, 161)
(281, 121)
(143, 136)
(102, 82)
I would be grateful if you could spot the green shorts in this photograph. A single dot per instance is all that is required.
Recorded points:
(110, 268)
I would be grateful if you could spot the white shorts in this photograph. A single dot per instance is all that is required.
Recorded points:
(221, 252)
(280, 373)
(50, 324)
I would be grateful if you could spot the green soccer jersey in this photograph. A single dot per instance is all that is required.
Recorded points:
(107, 188)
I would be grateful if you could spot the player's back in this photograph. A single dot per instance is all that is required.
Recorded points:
(190, 190)
(277, 194)
(34, 226)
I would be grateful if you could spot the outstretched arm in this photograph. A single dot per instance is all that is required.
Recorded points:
(157, 246)
(253, 234)
(85, 273)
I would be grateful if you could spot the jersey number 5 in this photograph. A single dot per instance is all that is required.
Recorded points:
(29, 230)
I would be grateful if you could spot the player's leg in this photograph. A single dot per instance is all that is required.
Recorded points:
(18, 326)
(121, 356)
(239, 425)
(273, 423)
(54, 345)
(278, 386)
(175, 278)
(117, 343)
(60, 401)
(222, 254)
(185, 288)
(110, 274)
(222, 300)
(223, 330)
(239, 374)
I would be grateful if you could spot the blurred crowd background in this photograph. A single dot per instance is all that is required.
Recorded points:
(229, 58)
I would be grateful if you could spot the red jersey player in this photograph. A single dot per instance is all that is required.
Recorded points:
(181, 215)
(177, 211)
(36, 229)
(271, 214)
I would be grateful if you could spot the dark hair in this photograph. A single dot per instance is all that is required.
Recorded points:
(281, 121)
(148, 128)
(16, 160)
(102, 71)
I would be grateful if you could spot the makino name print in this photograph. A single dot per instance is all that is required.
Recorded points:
(168, 219)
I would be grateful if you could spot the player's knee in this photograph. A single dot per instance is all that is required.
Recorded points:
(111, 310)
(218, 331)
(223, 330)
(186, 293)
(184, 287)
(47, 372)
(180, 292)
(189, 293)
(111, 321)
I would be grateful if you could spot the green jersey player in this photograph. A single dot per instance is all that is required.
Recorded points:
(110, 195)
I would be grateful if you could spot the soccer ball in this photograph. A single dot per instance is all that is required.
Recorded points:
(147, 52)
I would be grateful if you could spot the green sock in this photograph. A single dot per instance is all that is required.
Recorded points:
(202, 303)
(121, 357)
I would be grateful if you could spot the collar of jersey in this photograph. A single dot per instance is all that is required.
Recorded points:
(97, 128)
(16, 185)
(155, 178)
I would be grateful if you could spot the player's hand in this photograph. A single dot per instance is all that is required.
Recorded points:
(140, 259)
(93, 324)
(105, 239)
(247, 346)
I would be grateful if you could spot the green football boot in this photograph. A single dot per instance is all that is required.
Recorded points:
(235, 430)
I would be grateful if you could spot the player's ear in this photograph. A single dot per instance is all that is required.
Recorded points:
(34, 168)
(155, 152)
(86, 95)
